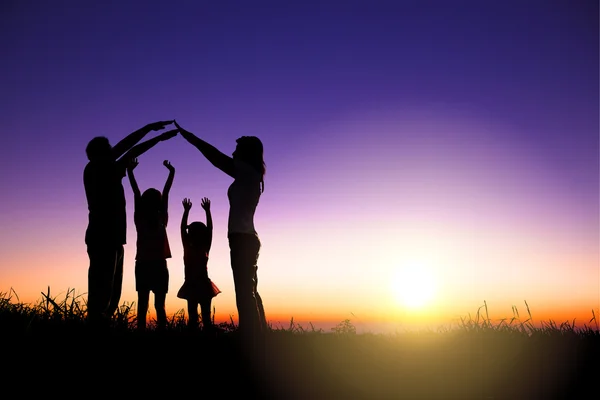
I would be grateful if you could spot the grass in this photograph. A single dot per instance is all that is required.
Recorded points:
(47, 344)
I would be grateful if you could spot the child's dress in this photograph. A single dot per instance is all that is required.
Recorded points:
(197, 285)
(152, 251)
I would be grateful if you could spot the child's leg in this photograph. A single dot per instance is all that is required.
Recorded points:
(161, 313)
(192, 306)
(142, 309)
(205, 310)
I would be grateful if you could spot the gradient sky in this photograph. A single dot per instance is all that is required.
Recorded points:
(458, 138)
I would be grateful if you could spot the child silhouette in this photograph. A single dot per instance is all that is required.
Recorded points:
(151, 274)
(197, 287)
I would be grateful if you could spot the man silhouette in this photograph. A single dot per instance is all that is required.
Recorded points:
(106, 232)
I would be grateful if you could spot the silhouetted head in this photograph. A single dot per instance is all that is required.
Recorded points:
(250, 149)
(197, 232)
(98, 148)
(151, 201)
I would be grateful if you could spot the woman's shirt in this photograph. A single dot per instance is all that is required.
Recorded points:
(243, 195)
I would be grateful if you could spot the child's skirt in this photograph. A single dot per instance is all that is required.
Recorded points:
(196, 290)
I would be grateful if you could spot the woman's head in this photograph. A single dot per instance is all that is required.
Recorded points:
(98, 148)
(250, 150)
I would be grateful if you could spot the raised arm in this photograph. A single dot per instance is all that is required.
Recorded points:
(167, 189)
(187, 204)
(133, 138)
(143, 147)
(212, 154)
(130, 167)
(209, 222)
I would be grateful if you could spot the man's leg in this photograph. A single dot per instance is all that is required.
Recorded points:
(100, 280)
(117, 281)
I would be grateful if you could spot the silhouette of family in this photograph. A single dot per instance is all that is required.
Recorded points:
(105, 235)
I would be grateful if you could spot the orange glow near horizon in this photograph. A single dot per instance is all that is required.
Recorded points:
(379, 312)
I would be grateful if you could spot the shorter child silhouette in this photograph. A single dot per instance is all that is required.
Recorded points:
(151, 274)
(197, 287)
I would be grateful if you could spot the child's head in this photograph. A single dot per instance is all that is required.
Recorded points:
(151, 201)
(197, 232)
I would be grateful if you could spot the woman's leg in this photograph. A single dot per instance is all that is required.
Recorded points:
(259, 304)
(244, 251)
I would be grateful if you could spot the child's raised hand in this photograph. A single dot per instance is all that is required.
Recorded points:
(205, 203)
(187, 204)
(167, 164)
(132, 164)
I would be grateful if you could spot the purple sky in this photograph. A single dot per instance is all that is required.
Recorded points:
(367, 110)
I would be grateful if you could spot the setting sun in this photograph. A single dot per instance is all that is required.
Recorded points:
(413, 285)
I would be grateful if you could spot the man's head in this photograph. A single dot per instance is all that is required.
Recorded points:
(98, 148)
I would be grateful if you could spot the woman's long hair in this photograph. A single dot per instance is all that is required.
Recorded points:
(250, 149)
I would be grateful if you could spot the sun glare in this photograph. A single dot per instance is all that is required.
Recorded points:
(413, 285)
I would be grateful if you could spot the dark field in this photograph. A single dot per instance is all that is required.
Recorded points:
(50, 352)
